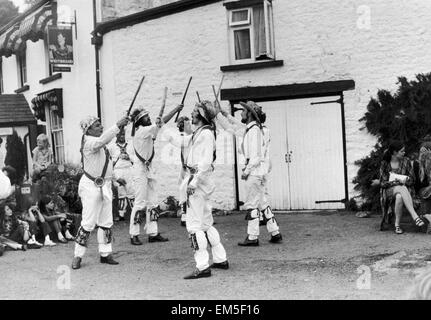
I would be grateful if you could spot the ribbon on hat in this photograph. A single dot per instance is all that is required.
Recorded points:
(87, 123)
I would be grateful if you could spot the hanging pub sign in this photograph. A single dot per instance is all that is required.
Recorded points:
(60, 45)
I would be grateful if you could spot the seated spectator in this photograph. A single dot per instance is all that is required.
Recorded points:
(57, 220)
(425, 177)
(42, 157)
(40, 229)
(14, 233)
(398, 191)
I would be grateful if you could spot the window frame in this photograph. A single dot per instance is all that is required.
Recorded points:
(21, 60)
(55, 131)
(269, 32)
(1, 76)
(240, 23)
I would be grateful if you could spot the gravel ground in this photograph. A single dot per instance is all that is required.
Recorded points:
(318, 259)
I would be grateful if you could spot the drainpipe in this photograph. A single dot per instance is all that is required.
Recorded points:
(96, 41)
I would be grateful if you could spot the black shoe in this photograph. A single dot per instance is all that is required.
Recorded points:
(157, 238)
(135, 241)
(109, 260)
(199, 274)
(249, 243)
(24, 247)
(183, 223)
(34, 246)
(262, 223)
(276, 239)
(222, 265)
(76, 263)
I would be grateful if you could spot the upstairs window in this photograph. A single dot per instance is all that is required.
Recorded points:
(250, 30)
(1, 76)
(22, 68)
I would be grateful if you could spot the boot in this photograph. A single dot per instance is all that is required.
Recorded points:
(76, 262)
(221, 265)
(249, 243)
(157, 238)
(276, 239)
(135, 241)
(199, 274)
(109, 260)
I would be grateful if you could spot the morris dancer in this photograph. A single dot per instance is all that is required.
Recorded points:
(255, 148)
(122, 155)
(197, 187)
(145, 207)
(184, 127)
(95, 189)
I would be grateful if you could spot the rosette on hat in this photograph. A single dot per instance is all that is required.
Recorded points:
(254, 108)
(87, 123)
(207, 110)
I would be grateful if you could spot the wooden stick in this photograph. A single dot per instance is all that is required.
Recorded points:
(136, 94)
(184, 98)
(199, 98)
(219, 87)
(162, 110)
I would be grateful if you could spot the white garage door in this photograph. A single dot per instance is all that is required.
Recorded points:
(307, 154)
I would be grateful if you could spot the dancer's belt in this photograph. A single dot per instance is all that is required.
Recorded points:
(100, 180)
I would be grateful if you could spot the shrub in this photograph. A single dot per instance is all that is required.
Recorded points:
(405, 116)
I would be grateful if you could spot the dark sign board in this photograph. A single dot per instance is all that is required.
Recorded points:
(60, 45)
(60, 69)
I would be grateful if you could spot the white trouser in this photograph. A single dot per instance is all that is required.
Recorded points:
(145, 197)
(257, 201)
(127, 191)
(96, 210)
(199, 221)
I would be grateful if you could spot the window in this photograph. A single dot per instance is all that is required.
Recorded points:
(1, 76)
(251, 32)
(22, 68)
(56, 127)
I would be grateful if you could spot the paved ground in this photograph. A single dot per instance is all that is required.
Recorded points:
(319, 259)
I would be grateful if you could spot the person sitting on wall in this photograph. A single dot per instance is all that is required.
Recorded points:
(396, 181)
(42, 157)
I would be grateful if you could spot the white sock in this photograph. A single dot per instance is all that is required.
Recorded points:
(275, 233)
(60, 236)
(47, 238)
(251, 237)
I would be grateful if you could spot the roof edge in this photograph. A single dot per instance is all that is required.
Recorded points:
(21, 16)
(150, 14)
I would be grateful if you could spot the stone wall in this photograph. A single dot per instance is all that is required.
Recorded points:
(112, 9)
(318, 40)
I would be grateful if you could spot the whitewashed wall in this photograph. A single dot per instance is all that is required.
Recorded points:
(79, 85)
(318, 40)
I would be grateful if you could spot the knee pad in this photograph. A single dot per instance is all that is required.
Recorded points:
(122, 204)
(155, 213)
(267, 214)
(82, 237)
(212, 236)
(106, 233)
(139, 216)
(252, 214)
(198, 240)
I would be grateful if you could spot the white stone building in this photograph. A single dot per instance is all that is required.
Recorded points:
(333, 51)
(287, 55)
(58, 100)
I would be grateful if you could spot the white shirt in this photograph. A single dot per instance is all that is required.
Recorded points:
(94, 153)
(5, 187)
(267, 139)
(253, 148)
(198, 154)
(115, 151)
(143, 142)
